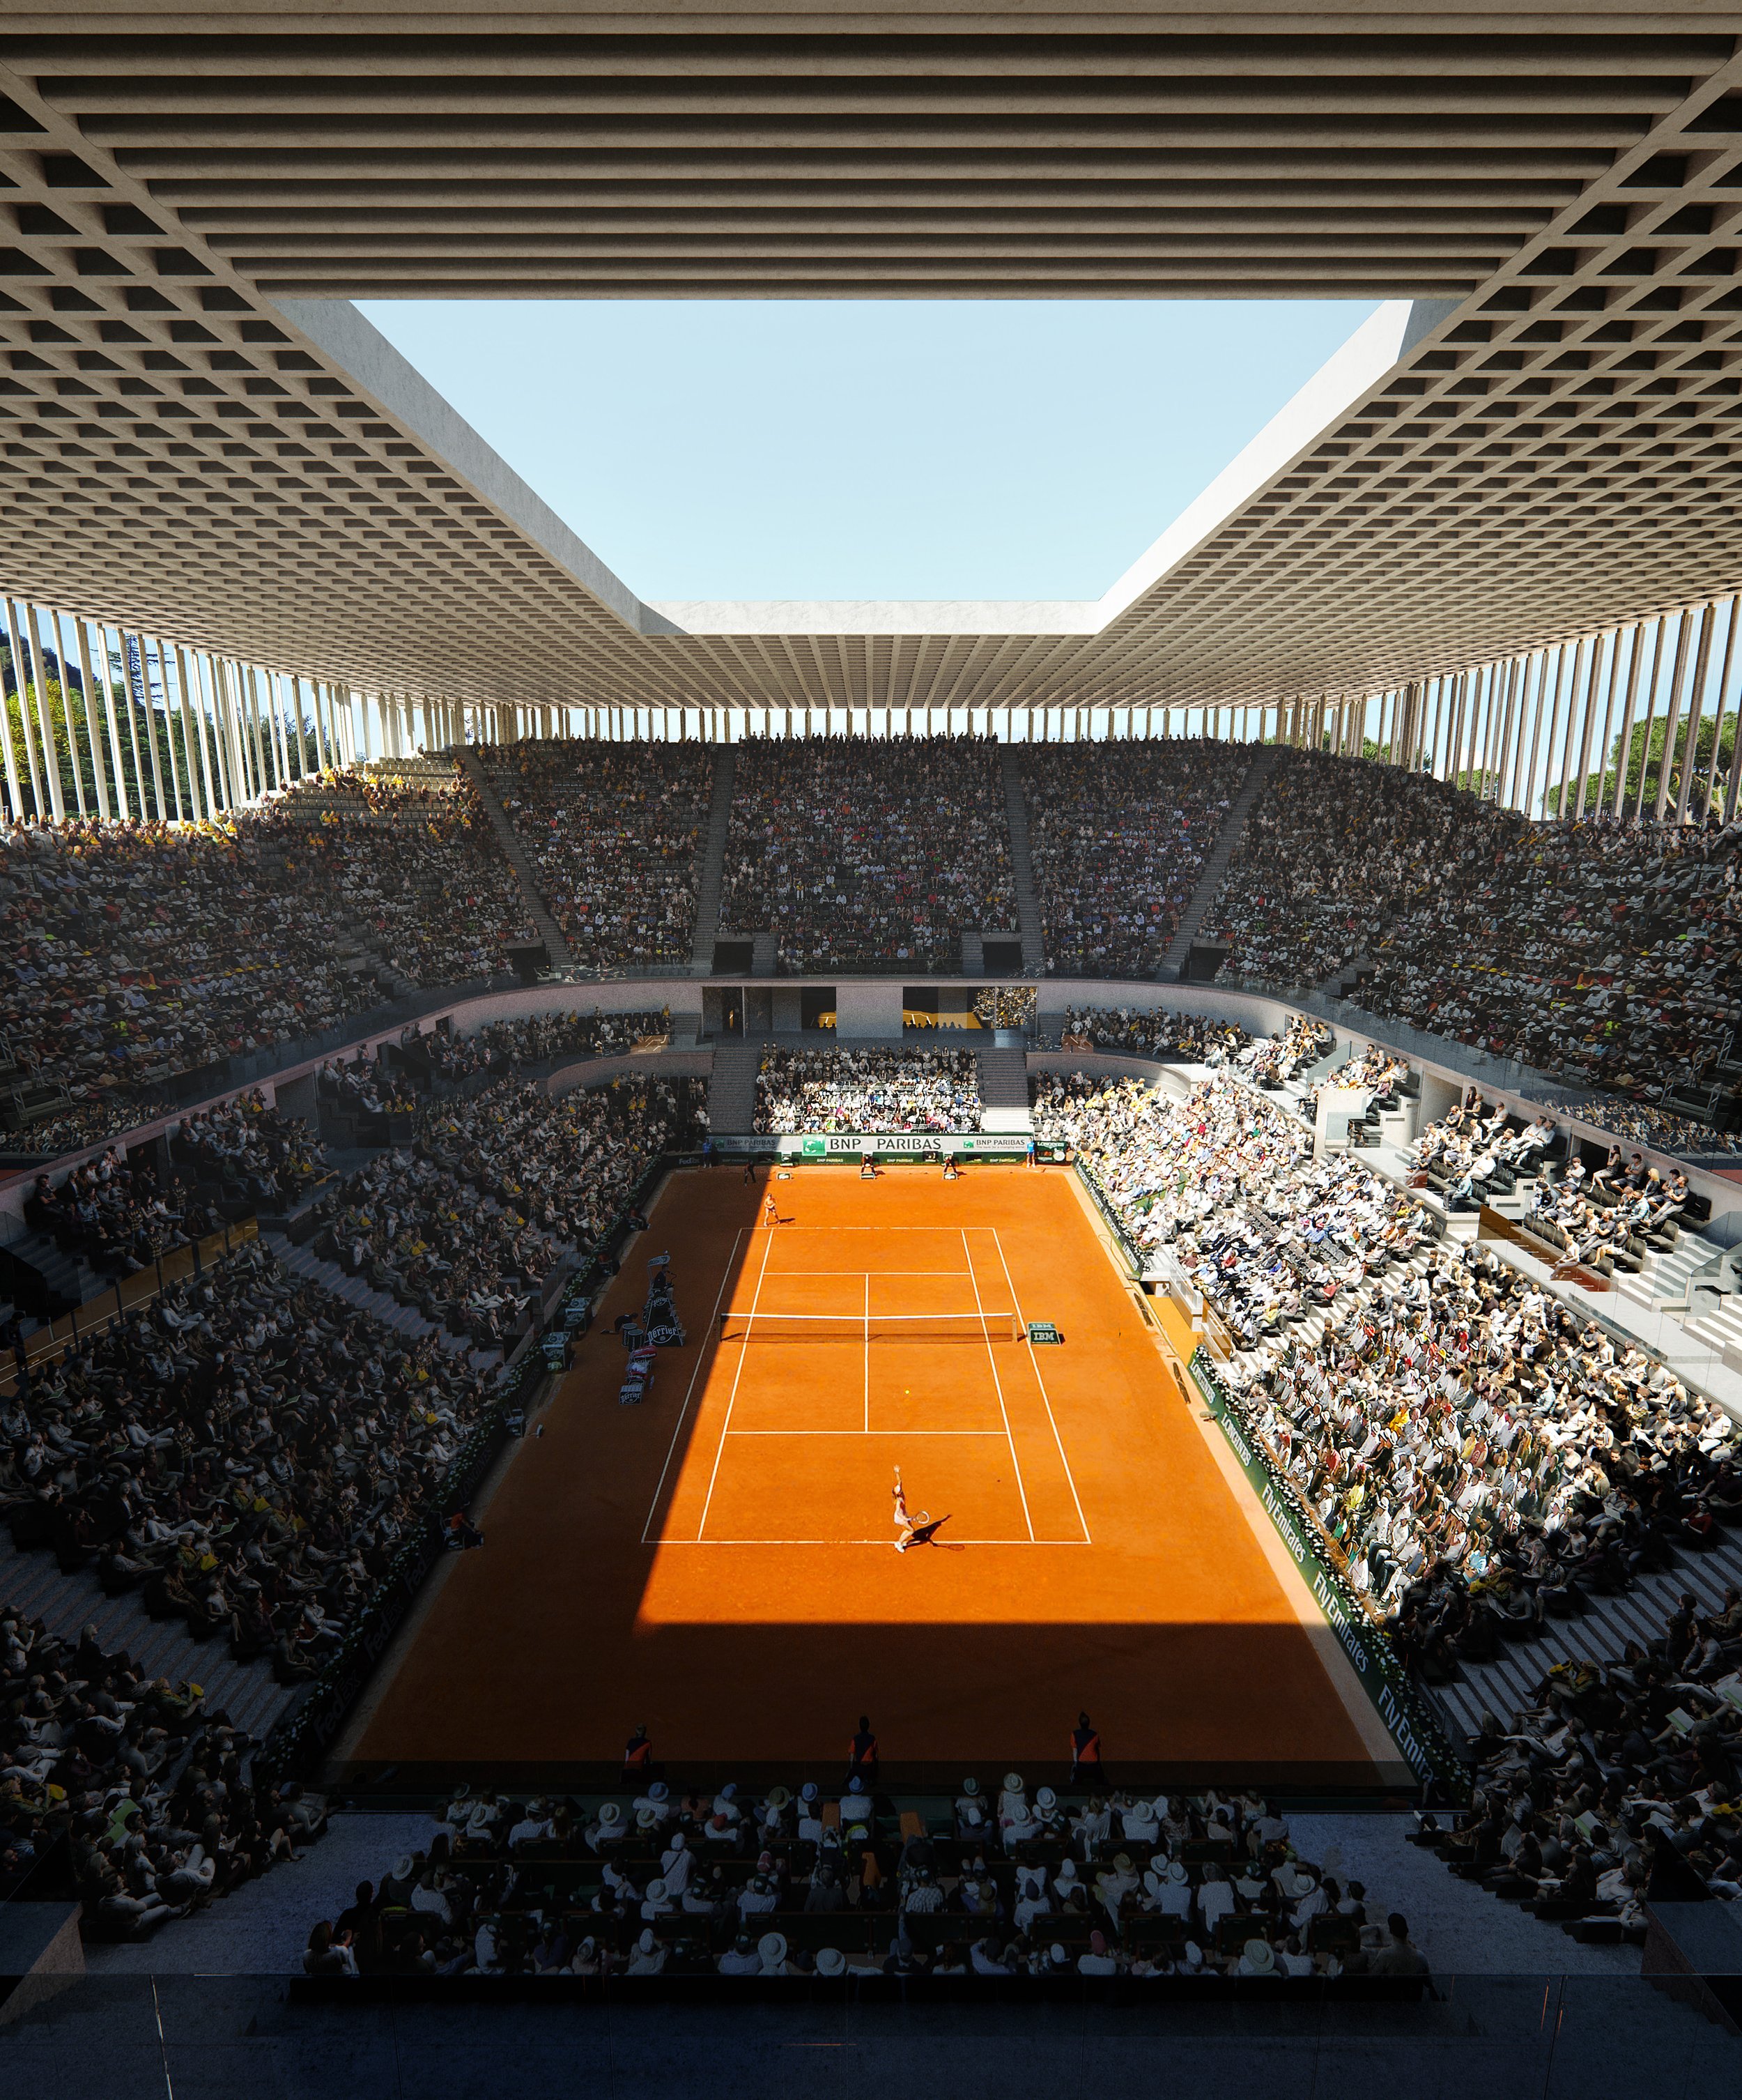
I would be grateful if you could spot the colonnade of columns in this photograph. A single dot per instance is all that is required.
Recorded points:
(150, 729)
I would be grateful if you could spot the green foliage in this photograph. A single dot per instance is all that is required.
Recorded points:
(139, 727)
(1645, 751)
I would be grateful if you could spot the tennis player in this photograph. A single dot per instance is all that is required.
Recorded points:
(770, 1214)
(914, 1530)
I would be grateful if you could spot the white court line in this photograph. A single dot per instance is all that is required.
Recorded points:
(865, 1432)
(863, 1272)
(726, 1277)
(1046, 1398)
(998, 1387)
(884, 1543)
(732, 1401)
(867, 1353)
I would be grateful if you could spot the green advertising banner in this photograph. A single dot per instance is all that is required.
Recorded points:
(1409, 1719)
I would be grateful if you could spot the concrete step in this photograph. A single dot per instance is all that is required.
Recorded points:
(402, 1319)
(732, 1091)
(761, 955)
(548, 931)
(1601, 1632)
(712, 875)
(1215, 867)
(1022, 867)
(161, 1648)
(1003, 1078)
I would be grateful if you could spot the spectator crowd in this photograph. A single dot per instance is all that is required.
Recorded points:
(1119, 834)
(860, 854)
(146, 1785)
(1605, 956)
(466, 1224)
(880, 1090)
(412, 861)
(1001, 1880)
(246, 1451)
(1158, 1032)
(1614, 1769)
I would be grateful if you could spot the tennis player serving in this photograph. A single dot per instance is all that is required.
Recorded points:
(916, 1530)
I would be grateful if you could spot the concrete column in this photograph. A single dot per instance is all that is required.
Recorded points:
(1660, 629)
(1723, 697)
(99, 769)
(45, 716)
(1594, 743)
(1672, 714)
(1559, 689)
(1696, 709)
(169, 720)
(75, 757)
(14, 786)
(24, 676)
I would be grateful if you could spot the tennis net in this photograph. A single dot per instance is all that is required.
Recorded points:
(989, 1326)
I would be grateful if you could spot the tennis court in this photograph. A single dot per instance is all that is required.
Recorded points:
(846, 1351)
(718, 1562)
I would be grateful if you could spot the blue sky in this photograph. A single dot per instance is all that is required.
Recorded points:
(830, 449)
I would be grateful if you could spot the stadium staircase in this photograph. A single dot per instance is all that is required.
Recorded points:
(1599, 1634)
(55, 1281)
(246, 1691)
(1003, 1088)
(712, 874)
(1720, 1330)
(548, 931)
(1022, 867)
(1209, 882)
(402, 1319)
(732, 1092)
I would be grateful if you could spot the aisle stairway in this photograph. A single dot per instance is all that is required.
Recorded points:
(732, 1094)
(1258, 774)
(161, 1648)
(1720, 1328)
(1600, 1633)
(548, 931)
(1022, 867)
(404, 1319)
(1003, 1088)
(710, 875)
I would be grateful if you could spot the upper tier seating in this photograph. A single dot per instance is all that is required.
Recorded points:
(1118, 836)
(866, 854)
(1607, 955)
(613, 831)
(412, 860)
(894, 1090)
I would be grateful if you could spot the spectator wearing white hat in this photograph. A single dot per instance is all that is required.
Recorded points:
(971, 1818)
(649, 1956)
(771, 1948)
(1258, 1958)
(607, 1828)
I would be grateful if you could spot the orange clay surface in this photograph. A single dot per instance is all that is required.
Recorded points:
(719, 1563)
